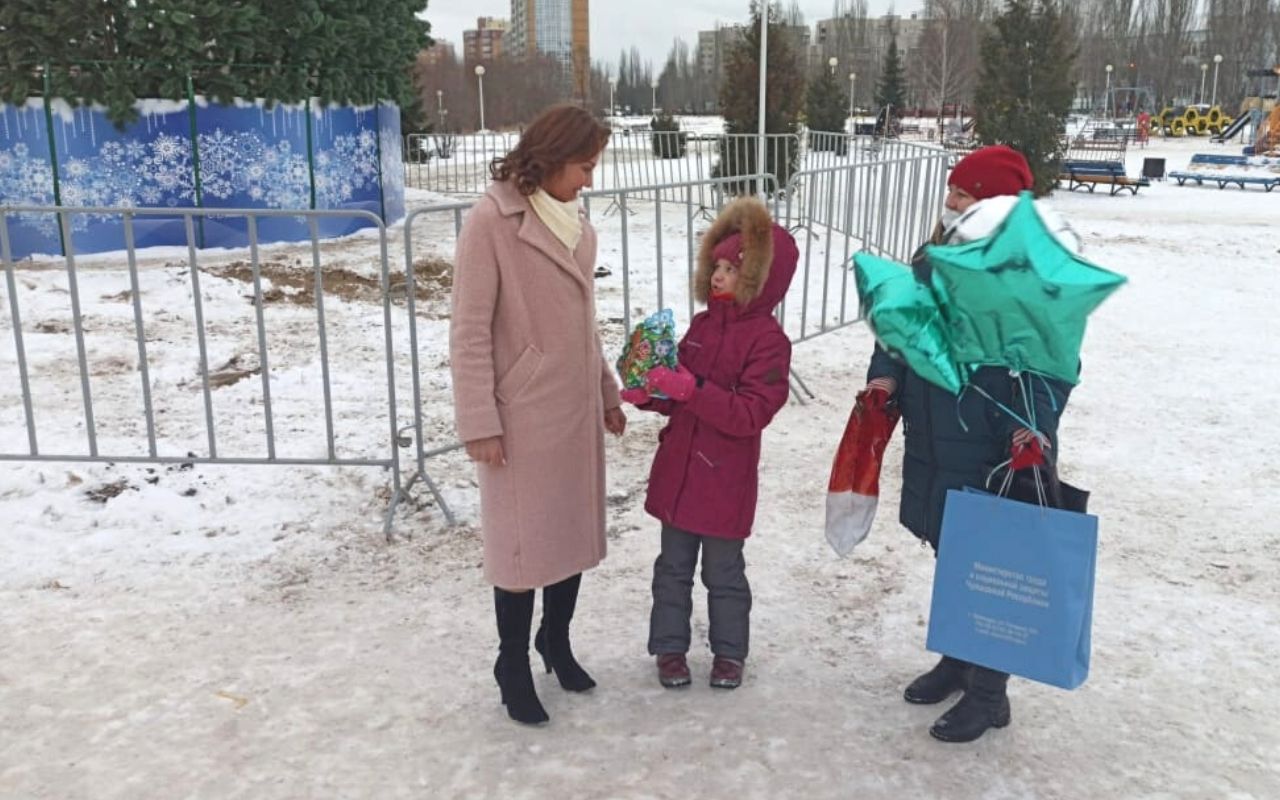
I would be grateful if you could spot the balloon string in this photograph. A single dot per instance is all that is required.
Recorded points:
(1048, 387)
(1028, 396)
(1013, 414)
(959, 415)
(1027, 390)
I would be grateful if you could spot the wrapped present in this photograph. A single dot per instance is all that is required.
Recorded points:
(652, 344)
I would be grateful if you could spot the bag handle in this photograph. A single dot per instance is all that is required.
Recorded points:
(1048, 486)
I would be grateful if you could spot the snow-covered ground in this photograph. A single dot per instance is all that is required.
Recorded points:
(256, 638)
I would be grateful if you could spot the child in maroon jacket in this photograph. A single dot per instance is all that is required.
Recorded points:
(732, 377)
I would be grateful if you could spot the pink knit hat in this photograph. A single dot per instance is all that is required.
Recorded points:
(729, 249)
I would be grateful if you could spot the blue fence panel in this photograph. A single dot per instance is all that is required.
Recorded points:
(252, 156)
(146, 163)
(26, 178)
(243, 156)
(344, 144)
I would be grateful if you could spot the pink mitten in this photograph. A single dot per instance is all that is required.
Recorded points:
(636, 397)
(678, 384)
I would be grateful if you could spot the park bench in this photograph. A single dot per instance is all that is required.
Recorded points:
(1089, 174)
(1216, 168)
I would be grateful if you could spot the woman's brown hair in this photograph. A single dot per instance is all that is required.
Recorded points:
(557, 136)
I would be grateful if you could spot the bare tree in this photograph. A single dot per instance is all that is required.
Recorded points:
(515, 90)
(1245, 34)
(849, 39)
(950, 45)
(1108, 35)
(1164, 30)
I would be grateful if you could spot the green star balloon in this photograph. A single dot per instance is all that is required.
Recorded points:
(1018, 298)
(906, 320)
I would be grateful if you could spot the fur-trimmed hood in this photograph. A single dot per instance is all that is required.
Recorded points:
(769, 255)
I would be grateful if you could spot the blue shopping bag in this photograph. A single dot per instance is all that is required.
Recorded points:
(1013, 589)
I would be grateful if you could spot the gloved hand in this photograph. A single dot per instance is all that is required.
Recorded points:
(678, 384)
(885, 385)
(636, 397)
(1027, 449)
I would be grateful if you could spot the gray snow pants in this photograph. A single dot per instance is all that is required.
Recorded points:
(724, 573)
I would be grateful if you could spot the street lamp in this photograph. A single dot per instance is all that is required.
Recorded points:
(1204, 70)
(613, 84)
(1106, 97)
(853, 79)
(653, 99)
(1217, 62)
(832, 62)
(480, 80)
(440, 107)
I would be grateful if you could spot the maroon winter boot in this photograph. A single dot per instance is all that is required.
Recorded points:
(726, 673)
(673, 670)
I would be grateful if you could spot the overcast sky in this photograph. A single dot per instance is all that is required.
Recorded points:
(650, 25)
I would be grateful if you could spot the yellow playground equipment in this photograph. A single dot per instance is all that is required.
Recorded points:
(1191, 120)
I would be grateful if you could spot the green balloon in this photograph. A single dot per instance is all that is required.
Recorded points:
(906, 320)
(1018, 298)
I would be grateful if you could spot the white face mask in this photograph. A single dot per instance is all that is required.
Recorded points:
(949, 218)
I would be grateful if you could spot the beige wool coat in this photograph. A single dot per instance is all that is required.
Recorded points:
(527, 366)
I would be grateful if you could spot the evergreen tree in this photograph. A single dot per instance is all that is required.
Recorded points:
(668, 140)
(891, 89)
(115, 51)
(825, 112)
(740, 104)
(1025, 91)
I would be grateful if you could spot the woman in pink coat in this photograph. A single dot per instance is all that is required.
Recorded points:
(533, 395)
(735, 361)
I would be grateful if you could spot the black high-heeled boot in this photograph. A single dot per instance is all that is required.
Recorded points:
(552, 641)
(514, 611)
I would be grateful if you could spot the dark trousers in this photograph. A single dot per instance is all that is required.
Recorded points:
(724, 573)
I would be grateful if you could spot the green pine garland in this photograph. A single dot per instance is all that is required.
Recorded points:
(113, 52)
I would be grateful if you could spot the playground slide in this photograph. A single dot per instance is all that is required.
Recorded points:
(1233, 129)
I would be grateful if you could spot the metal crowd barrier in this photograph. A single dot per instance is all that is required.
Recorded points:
(884, 205)
(160, 449)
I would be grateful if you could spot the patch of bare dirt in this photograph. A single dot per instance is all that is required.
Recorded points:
(107, 491)
(236, 369)
(296, 284)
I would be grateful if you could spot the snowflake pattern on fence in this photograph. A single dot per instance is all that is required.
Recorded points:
(130, 172)
(243, 163)
(125, 172)
(26, 180)
(350, 166)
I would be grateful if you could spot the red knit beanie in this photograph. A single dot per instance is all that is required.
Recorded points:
(991, 172)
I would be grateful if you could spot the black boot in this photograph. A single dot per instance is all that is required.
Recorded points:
(984, 705)
(951, 675)
(552, 642)
(511, 671)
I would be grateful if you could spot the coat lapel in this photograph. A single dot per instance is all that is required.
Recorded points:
(534, 233)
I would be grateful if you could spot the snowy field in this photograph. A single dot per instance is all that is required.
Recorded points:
(245, 632)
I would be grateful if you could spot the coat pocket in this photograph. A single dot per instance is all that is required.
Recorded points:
(518, 377)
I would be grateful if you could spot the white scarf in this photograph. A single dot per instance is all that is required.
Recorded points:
(561, 218)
